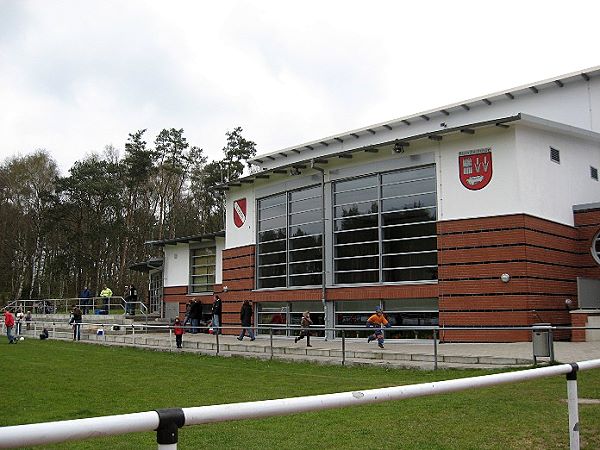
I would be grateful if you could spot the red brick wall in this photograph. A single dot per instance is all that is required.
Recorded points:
(541, 258)
(588, 225)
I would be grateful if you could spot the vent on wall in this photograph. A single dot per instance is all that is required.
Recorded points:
(555, 155)
(594, 173)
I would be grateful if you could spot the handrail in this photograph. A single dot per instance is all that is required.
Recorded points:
(167, 422)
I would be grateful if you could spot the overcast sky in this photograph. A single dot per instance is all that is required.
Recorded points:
(78, 75)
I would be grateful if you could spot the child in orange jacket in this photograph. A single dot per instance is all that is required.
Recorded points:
(379, 321)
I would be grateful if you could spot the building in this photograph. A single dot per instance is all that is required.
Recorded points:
(483, 213)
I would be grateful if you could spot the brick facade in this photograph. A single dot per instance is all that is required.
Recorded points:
(543, 260)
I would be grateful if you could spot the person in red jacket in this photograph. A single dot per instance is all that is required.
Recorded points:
(9, 323)
(178, 329)
(378, 321)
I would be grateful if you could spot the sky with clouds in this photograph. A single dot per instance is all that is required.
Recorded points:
(76, 76)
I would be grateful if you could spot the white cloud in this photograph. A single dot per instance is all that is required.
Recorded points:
(76, 76)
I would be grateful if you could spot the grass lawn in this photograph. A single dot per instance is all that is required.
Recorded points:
(54, 380)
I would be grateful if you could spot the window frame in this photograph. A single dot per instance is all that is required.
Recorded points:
(193, 277)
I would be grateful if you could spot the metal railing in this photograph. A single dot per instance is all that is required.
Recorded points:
(166, 422)
(341, 350)
(93, 305)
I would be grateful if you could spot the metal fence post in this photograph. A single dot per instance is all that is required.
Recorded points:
(170, 338)
(435, 350)
(271, 340)
(216, 331)
(573, 408)
(343, 347)
(133, 334)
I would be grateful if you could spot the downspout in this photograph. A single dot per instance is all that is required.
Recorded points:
(324, 264)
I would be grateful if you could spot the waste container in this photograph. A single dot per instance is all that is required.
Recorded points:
(543, 341)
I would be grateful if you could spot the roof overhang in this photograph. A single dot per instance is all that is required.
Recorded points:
(147, 266)
(187, 239)
(501, 122)
(427, 116)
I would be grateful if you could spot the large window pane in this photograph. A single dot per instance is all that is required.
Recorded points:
(297, 253)
(357, 263)
(305, 242)
(410, 259)
(356, 183)
(357, 277)
(306, 255)
(352, 223)
(403, 217)
(271, 247)
(356, 209)
(408, 175)
(410, 274)
(202, 269)
(306, 229)
(349, 237)
(410, 245)
(392, 214)
(305, 216)
(342, 251)
(410, 202)
(408, 188)
(360, 195)
(407, 231)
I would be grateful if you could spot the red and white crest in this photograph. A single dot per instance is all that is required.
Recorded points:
(239, 212)
(475, 168)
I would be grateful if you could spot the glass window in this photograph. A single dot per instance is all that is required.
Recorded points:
(290, 236)
(391, 216)
(202, 269)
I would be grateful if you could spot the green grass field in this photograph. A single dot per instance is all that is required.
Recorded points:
(53, 380)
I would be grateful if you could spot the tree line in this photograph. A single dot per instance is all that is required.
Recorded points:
(61, 233)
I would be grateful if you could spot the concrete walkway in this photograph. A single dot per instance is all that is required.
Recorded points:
(407, 354)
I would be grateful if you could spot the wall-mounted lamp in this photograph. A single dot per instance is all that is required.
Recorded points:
(505, 277)
(568, 303)
(225, 288)
(295, 171)
(398, 147)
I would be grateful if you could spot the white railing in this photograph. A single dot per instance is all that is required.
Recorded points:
(166, 422)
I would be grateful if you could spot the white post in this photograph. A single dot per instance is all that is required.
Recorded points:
(133, 333)
(573, 402)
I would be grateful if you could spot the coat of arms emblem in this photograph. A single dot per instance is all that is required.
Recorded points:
(239, 212)
(475, 168)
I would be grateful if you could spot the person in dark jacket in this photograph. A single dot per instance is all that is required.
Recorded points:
(76, 320)
(195, 314)
(246, 319)
(217, 310)
(85, 297)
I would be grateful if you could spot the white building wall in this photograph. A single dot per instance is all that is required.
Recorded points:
(549, 189)
(245, 235)
(499, 197)
(176, 265)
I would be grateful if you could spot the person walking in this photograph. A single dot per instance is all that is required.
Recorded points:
(246, 319)
(9, 323)
(132, 299)
(76, 320)
(178, 330)
(106, 293)
(217, 310)
(378, 321)
(305, 324)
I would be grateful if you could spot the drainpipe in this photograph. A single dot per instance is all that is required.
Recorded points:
(323, 280)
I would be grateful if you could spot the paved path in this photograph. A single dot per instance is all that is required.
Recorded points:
(409, 354)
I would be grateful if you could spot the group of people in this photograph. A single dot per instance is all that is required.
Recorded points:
(130, 296)
(194, 313)
(13, 324)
